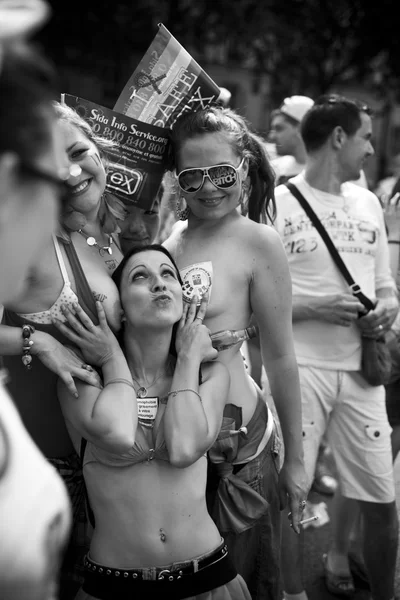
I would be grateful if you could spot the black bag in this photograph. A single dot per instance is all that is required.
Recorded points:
(376, 362)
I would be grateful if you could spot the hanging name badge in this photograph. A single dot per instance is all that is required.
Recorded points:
(197, 279)
(147, 410)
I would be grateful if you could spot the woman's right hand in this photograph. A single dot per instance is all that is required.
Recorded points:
(192, 336)
(61, 361)
(96, 342)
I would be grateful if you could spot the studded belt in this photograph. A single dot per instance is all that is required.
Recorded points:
(172, 572)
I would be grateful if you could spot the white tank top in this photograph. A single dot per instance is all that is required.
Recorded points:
(35, 516)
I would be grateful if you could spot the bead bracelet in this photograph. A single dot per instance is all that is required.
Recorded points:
(27, 344)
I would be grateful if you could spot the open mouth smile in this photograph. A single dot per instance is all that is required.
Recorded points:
(80, 187)
(211, 201)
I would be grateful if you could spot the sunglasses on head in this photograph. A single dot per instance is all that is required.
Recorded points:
(222, 176)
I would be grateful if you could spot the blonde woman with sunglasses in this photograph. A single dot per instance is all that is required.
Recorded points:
(226, 248)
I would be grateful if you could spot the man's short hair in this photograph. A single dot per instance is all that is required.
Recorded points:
(330, 111)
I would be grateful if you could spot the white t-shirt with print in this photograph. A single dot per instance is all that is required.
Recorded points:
(354, 221)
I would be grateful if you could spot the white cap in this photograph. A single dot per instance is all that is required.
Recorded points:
(296, 107)
(225, 96)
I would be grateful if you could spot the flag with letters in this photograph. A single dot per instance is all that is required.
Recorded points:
(167, 83)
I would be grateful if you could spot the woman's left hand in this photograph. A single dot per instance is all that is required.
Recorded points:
(192, 336)
(293, 490)
(96, 342)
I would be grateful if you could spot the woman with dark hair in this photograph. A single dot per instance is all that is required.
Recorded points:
(145, 436)
(35, 515)
(223, 173)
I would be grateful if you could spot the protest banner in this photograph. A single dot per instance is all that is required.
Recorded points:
(166, 83)
(138, 160)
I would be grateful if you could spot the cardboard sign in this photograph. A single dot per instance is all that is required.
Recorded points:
(137, 163)
(166, 83)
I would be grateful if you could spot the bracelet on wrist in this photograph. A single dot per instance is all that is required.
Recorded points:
(176, 392)
(27, 343)
(393, 241)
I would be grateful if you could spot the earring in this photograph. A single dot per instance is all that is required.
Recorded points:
(182, 213)
(244, 197)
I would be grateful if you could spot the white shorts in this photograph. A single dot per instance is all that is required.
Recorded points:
(353, 415)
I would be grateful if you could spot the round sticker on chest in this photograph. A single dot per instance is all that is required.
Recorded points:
(197, 279)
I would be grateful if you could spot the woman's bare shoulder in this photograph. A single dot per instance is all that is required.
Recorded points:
(259, 235)
(172, 242)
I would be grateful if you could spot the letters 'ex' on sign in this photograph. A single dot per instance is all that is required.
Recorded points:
(137, 162)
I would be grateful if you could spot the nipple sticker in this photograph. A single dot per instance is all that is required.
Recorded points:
(147, 410)
(197, 279)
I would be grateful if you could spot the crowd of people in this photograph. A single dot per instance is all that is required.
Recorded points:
(137, 458)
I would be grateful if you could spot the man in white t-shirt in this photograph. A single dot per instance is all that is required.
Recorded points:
(337, 400)
(285, 134)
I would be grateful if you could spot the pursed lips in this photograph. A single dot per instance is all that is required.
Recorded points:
(162, 297)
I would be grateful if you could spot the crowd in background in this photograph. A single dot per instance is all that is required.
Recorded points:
(138, 456)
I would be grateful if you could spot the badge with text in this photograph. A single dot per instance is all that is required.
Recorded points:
(147, 410)
(197, 279)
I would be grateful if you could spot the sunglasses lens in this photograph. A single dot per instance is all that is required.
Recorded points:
(191, 180)
(223, 176)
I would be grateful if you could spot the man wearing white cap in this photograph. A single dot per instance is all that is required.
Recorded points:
(285, 134)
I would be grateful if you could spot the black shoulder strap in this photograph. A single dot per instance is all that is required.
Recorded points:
(355, 288)
(88, 507)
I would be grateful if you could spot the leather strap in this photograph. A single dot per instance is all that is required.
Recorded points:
(355, 288)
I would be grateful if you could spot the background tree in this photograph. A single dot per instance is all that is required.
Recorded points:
(305, 46)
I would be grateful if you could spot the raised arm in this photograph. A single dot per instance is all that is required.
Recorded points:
(271, 301)
(193, 416)
(107, 416)
(50, 352)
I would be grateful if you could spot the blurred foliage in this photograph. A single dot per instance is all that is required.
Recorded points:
(306, 46)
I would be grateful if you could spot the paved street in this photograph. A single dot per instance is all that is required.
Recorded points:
(316, 540)
(316, 543)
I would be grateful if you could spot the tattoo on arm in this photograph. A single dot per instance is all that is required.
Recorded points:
(111, 264)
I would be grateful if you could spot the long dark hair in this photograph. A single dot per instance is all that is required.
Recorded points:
(246, 143)
(117, 278)
(27, 89)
